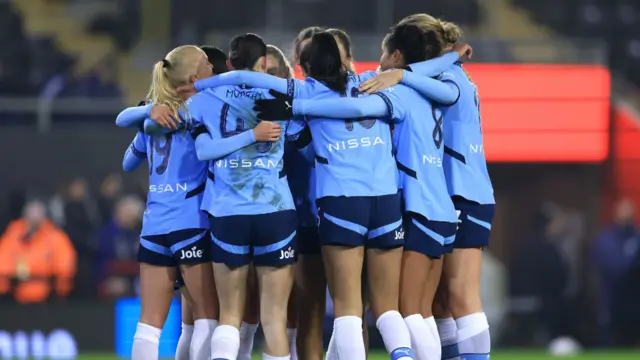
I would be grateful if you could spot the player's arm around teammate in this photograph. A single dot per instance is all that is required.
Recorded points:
(256, 221)
(461, 323)
(161, 250)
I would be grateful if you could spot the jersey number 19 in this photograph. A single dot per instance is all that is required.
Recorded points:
(162, 151)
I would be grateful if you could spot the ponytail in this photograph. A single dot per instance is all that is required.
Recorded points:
(174, 70)
(451, 33)
(161, 92)
(321, 61)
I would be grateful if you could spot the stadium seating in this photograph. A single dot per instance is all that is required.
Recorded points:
(352, 15)
(617, 22)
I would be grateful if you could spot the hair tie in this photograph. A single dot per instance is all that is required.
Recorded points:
(165, 63)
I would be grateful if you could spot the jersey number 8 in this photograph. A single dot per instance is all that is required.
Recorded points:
(437, 129)
(365, 123)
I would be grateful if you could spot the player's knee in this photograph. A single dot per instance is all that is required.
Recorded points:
(462, 295)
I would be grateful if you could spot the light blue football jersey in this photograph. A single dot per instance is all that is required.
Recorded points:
(176, 183)
(353, 157)
(249, 181)
(464, 162)
(418, 140)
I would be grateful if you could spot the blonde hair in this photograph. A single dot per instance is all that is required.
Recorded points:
(450, 32)
(174, 70)
(283, 63)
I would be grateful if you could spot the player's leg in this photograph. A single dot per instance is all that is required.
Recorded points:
(184, 342)
(251, 319)
(365, 304)
(231, 258)
(342, 229)
(384, 264)
(445, 324)
(311, 287)
(274, 250)
(157, 278)
(463, 271)
(292, 322)
(192, 250)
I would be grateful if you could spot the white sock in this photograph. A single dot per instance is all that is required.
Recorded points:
(184, 342)
(247, 333)
(395, 335)
(145, 342)
(433, 328)
(225, 343)
(200, 348)
(269, 357)
(347, 335)
(291, 335)
(332, 352)
(473, 335)
(447, 330)
(425, 346)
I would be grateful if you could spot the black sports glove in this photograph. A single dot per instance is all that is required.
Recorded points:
(200, 129)
(279, 108)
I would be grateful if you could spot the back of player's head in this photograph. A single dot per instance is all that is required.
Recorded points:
(344, 44)
(179, 67)
(449, 31)
(304, 35)
(217, 59)
(321, 61)
(413, 43)
(283, 68)
(245, 51)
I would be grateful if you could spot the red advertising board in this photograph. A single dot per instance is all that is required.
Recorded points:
(541, 113)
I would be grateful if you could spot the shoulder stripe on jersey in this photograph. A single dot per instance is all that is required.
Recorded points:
(454, 154)
(322, 160)
(138, 153)
(388, 102)
(290, 87)
(405, 169)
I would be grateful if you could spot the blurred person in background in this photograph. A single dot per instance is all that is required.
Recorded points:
(80, 214)
(37, 260)
(110, 192)
(116, 259)
(539, 279)
(614, 252)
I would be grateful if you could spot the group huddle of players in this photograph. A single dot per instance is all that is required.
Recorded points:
(370, 178)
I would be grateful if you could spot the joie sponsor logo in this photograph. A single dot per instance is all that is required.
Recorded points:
(194, 253)
(399, 235)
(287, 254)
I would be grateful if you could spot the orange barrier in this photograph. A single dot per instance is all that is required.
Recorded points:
(541, 113)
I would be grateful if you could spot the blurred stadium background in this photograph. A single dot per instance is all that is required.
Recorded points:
(558, 80)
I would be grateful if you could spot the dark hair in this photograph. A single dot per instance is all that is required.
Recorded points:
(245, 50)
(344, 40)
(304, 34)
(321, 61)
(217, 59)
(414, 44)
